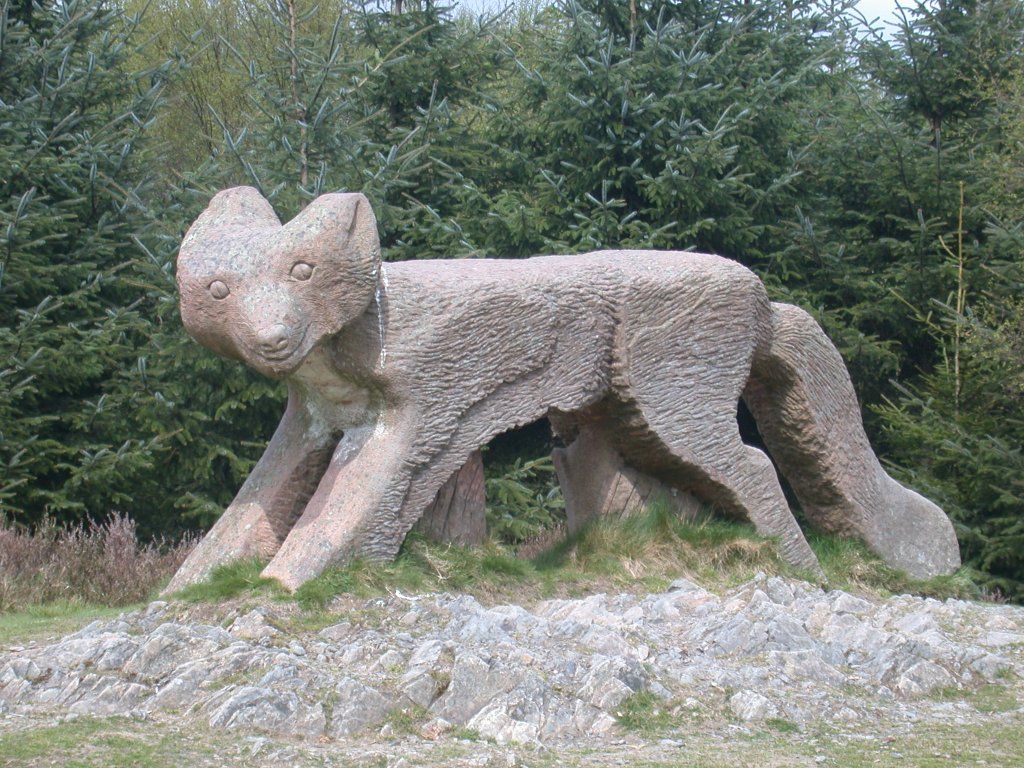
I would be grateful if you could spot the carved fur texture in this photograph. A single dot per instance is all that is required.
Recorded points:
(397, 373)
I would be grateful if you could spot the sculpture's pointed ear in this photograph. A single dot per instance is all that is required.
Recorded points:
(238, 207)
(336, 226)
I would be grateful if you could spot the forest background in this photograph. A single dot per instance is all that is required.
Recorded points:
(874, 177)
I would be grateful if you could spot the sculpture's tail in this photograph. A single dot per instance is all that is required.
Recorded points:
(806, 409)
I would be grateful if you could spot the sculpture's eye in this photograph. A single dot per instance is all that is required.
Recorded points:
(219, 289)
(301, 270)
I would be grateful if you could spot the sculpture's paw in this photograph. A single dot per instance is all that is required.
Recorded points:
(915, 536)
(241, 532)
(304, 557)
(290, 579)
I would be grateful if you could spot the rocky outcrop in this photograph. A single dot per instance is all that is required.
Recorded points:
(560, 670)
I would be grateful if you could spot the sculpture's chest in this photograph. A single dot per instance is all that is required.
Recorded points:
(334, 402)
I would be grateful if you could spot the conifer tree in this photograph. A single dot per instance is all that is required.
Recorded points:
(72, 191)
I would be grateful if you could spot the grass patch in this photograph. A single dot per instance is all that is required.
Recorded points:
(659, 545)
(938, 746)
(643, 552)
(58, 618)
(989, 699)
(406, 720)
(106, 743)
(781, 725)
(849, 565)
(646, 714)
(227, 581)
(421, 566)
(120, 742)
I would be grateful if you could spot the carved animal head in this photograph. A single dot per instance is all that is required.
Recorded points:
(266, 294)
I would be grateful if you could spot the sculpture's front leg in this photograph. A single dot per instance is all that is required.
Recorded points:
(270, 500)
(355, 509)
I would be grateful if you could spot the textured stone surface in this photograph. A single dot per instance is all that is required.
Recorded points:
(559, 672)
(397, 373)
(808, 414)
(751, 706)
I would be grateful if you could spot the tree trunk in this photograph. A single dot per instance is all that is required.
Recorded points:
(457, 513)
(596, 482)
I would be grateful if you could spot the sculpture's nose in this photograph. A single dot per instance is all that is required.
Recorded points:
(273, 338)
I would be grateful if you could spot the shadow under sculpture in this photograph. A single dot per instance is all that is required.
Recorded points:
(397, 374)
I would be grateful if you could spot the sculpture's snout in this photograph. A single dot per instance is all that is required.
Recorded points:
(273, 340)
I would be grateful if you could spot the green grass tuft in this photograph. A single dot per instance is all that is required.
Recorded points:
(781, 725)
(110, 742)
(228, 581)
(406, 720)
(849, 564)
(466, 734)
(658, 544)
(989, 698)
(645, 713)
(506, 564)
(420, 566)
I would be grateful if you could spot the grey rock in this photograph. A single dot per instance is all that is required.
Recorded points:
(843, 602)
(20, 668)
(266, 710)
(521, 715)
(787, 634)
(998, 639)
(991, 666)
(357, 708)
(170, 645)
(253, 626)
(336, 632)
(737, 635)
(917, 623)
(610, 681)
(98, 649)
(180, 691)
(558, 672)
(806, 665)
(429, 672)
(751, 706)
(922, 678)
(109, 697)
(283, 676)
(474, 682)
(779, 591)
(685, 585)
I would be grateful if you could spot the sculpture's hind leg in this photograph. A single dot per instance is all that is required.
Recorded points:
(684, 353)
(739, 477)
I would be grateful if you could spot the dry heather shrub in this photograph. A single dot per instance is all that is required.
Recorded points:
(100, 563)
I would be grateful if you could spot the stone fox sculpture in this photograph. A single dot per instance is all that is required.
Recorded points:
(397, 372)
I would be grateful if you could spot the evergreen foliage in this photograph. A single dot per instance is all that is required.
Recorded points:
(73, 197)
(874, 179)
